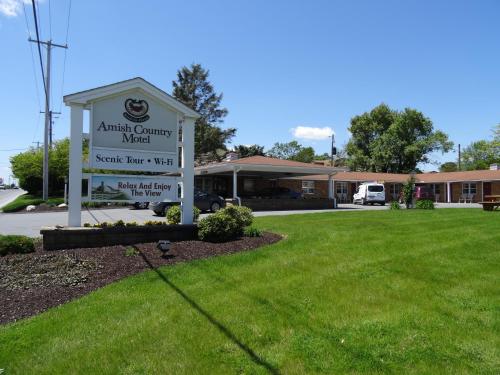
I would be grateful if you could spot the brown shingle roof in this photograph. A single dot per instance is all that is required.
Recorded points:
(264, 160)
(482, 175)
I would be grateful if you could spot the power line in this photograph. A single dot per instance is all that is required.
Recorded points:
(38, 44)
(35, 76)
(50, 20)
(65, 52)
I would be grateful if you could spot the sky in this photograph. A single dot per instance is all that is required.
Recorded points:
(284, 67)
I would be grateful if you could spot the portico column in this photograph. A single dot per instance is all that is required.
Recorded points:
(235, 185)
(331, 183)
(187, 170)
(75, 167)
(448, 192)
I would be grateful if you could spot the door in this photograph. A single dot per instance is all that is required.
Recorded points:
(486, 188)
(353, 190)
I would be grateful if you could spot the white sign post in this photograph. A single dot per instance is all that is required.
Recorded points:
(134, 126)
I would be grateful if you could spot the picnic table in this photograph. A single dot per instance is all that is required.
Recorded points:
(491, 202)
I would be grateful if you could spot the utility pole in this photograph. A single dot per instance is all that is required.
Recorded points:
(51, 128)
(48, 118)
(37, 144)
(459, 158)
(334, 149)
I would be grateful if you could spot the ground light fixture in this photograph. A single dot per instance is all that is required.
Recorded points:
(163, 246)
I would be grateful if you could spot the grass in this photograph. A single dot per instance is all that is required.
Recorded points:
(396, 292)
(23, 201)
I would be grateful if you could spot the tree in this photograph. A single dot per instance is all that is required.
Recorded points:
(27, 168)
(193, 89)
(385, 140)
(449, 166)
(247, 151)
(292, 151)
(480, 155)
(407, 191)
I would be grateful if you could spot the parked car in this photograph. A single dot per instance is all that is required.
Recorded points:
(280, 193)
(204, 201)
(141, 205)
(423, 192)
(370, 193)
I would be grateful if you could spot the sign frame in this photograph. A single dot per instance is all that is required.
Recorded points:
(174, 155)
(83, 101)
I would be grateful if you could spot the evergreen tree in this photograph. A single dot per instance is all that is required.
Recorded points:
(246, 151)
(193, 88)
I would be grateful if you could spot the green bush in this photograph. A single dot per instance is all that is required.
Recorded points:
(425, 204)
(174, 214)
(21, 202)
(119, 223)
(131, 251)
(395, 205)
(226, 224)
(152, 223)
(243, 215)
(408, 192)
(13, 244)
(252, 232)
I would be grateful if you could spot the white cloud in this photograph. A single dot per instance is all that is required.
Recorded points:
(309, 132)
(12, 8)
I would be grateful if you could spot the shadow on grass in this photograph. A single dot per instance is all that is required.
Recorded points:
(230, 335)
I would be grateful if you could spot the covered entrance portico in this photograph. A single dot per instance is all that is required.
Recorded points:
(263, 183)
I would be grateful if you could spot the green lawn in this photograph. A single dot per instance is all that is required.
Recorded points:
(402, 292)
(23, 201)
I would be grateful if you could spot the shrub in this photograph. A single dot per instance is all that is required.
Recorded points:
(174, 214)
(154, 222)
(131, 224)
(131, 251)
(395, 205)
(425, 204)
(252, 232)
(13, 244)
(225, 224)
(408, 192)
(243, 215)
(87, 225)
(21, 202)
(119, 223)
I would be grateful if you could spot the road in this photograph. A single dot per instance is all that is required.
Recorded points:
(7, 196)
(29, 224)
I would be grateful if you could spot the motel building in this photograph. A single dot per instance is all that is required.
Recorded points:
(264, 183)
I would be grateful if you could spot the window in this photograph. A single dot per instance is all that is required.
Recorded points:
(436, 188)
(376, 188)
(308, 187)
(248, 185)
(395, 189)
(341, 188)
(469, 188)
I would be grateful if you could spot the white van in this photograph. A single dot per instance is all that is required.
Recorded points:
(370, 192)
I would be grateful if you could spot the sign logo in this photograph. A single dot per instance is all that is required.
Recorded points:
(136, 110)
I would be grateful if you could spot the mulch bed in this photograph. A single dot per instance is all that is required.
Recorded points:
(33, 283)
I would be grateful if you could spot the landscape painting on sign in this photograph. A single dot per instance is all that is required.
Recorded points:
(134, 188)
